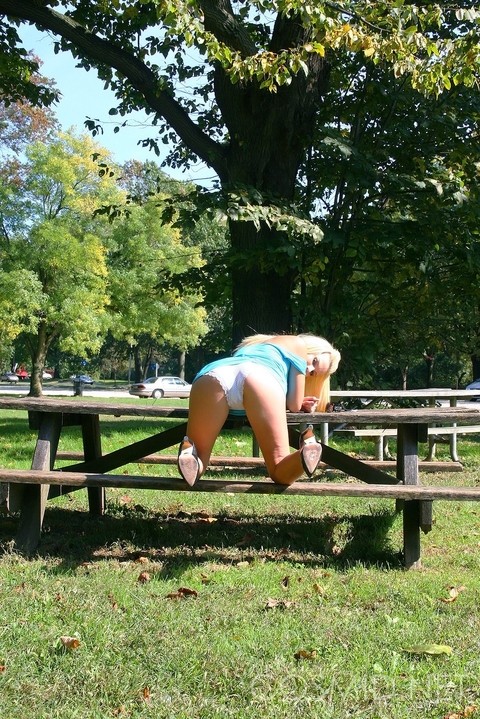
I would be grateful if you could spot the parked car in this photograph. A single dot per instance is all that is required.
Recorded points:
(9, 377)
(22, 373)
(474, 385)
(82, 378)
(158, 387)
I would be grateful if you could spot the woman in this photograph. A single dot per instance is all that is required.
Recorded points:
(266, 375)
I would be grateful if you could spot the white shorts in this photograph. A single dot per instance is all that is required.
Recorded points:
(232, 380)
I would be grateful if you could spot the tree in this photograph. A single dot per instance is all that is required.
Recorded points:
(147, 309)
(262, 71)
(393, 178)
(59, 248)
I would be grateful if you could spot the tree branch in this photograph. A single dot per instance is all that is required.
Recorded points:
(140, 77)
(221, 22)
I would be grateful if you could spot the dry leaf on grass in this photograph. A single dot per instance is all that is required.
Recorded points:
(453, 593)
(146, 695)
(310, 654)
(2, 668)
(279, 604)
(463, 713)
(183, 593)
(70, 642)
(143, 577)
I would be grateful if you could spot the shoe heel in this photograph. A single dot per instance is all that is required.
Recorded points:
(187, 462)
(310, 451)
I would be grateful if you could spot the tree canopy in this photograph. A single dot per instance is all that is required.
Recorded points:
(260, 75)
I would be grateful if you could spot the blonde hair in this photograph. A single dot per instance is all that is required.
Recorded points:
(315, 385)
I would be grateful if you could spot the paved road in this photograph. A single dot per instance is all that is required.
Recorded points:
(66, 390)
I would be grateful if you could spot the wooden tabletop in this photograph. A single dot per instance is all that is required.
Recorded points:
(425, 393)
(417, 415)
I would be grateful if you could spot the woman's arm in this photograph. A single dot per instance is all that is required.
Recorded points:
(296, 390)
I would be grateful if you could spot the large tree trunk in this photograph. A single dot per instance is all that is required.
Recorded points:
(269, 136)
(261, 297)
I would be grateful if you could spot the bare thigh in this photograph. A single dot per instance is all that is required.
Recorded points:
(207, 412)
(264, 404)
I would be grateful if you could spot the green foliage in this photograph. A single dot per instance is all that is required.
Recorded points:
(379, 103)
(21, 298)
(143, 255)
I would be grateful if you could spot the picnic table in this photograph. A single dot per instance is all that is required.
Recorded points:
(395, 397)
(30, 489)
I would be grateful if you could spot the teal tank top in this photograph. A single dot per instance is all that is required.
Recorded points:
(277, 359)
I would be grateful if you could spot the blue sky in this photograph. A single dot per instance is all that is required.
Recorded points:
(83, 96)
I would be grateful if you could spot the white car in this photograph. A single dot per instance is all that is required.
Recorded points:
(9, 377)
(158, 387)
(474, 385)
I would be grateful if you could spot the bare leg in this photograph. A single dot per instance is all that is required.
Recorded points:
(264, 404)
(207, 412)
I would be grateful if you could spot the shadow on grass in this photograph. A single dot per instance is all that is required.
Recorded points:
(183, 539)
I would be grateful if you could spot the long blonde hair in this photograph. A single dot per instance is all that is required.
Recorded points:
(315, 385)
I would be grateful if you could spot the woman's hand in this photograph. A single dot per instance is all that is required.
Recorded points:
(309, 404)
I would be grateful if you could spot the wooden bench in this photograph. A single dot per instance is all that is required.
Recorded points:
(381, 435)
(79, 480)
(256, 463)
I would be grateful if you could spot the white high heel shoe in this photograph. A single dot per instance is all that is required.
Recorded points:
(310, 451)
(187, 462)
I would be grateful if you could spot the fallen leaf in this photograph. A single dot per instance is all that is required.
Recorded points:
(182, 593)
(453, 593)
(2, 668)
(318, 589)
(279, 604)
(143, 577)
(286, 582)
(467, 712)
(306, 654)
(141, 560)
(243, 564)
(125, 499)
(146, 695)
(113, 601)
(70, 642)
(432, 649)
(119, 711)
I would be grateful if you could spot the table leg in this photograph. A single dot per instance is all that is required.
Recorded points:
(34, 496)
(407, 472)
(92, 449)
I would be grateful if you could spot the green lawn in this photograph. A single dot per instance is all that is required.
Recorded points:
(192, 605)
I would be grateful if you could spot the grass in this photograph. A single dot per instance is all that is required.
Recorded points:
(205, 606)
